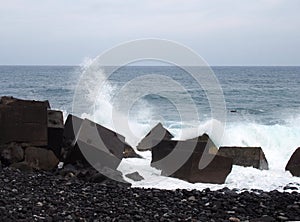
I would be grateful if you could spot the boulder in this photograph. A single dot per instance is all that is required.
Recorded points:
(40, 158)
(293, 164)
(158, 133)
(134, 176)
(90, 174)
(55, 131)
(190, 152)
(96, 145)
(246, 156)
(23, 121)
(11, 153)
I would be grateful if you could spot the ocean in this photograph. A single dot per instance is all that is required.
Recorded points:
(262, 109)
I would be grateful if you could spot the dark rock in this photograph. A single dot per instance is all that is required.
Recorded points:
(188, 155)
(23, 121)
(96, 145)
(106, 174)
(134, 176)
(40, 159)
(22, 166)
(55, 131)
(11, 153)
(293, 164)
(129, 152)
(265, 218)
(158, 133)
(246, 156)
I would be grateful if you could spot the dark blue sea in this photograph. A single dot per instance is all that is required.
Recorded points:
(262, 103)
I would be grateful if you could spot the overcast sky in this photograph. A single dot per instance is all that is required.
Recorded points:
(223, 32)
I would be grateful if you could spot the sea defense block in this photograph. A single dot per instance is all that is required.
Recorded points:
(71, 128)
(246, 156)
(55, 131)
(23, 121)
(165, 147)
(158, 133)
(97, 144)
(293, 164)
(216, 168)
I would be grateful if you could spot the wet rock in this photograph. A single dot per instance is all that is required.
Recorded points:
(55, 131)
(11, 153)
(246, 156)
(23, 121)
(158, 133)
(134, 176)
(181, 159)
(293, 164)
(40, 159)
(292, 186)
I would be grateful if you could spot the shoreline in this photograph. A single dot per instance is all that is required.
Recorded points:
(44, 196)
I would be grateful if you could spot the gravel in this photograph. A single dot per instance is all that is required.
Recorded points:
(43, 196)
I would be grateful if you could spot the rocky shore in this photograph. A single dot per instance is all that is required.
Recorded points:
(48, 196)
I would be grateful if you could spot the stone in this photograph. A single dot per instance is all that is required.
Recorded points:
(11, 153)
(234, 219)
(186, 158)
(293, 164)
(134, 176)
(55, 131)
(96, 145)
(23, 121)
(264, 218)
(246, 156)
(40, 158)
(158, 133)
(107, 174)
(129, 152)
(22, 166)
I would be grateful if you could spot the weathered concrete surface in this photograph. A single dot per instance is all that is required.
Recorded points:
(98, 145)
(165, 147)
(71, 129)
(167, 154)
(55, 131)
(129, 152)
(23, 121)
(293, 164)
(246, 156)
(158, 133)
